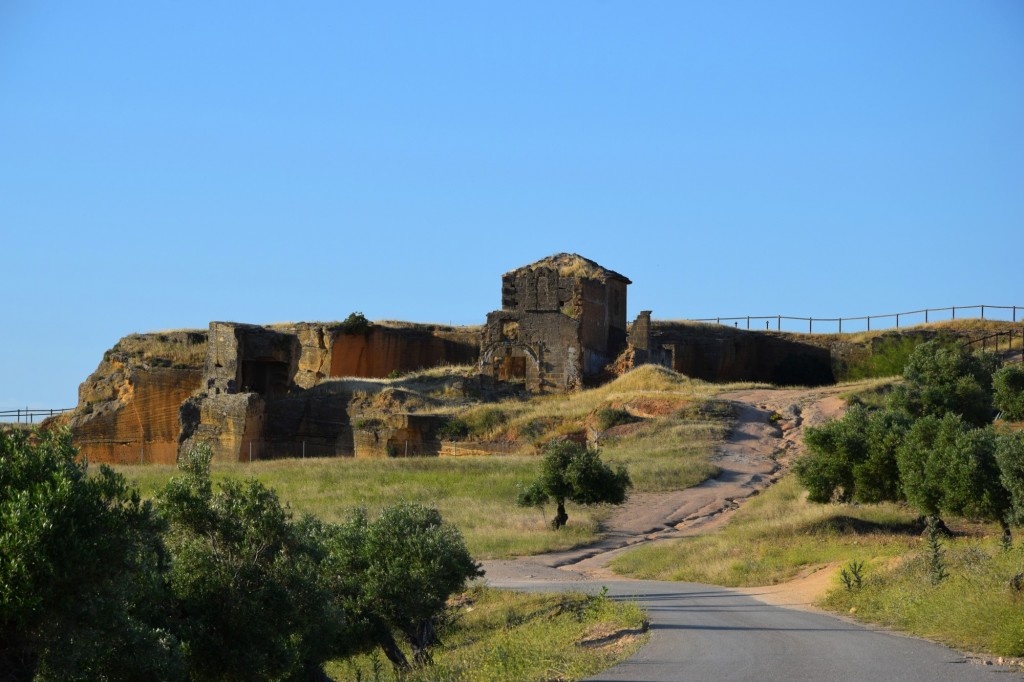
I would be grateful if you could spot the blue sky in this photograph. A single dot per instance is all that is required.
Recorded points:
(164, 164)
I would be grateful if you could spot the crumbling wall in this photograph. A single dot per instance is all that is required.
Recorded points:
(539, 350)
(230, 424)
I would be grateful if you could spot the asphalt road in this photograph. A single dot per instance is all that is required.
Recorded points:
(701, 632)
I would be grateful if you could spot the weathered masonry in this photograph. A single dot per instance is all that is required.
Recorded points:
(562, 321)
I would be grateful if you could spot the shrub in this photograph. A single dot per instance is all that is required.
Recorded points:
(854, 458)
(1008, 391)
(249, 584)
(80, 563)
(941, 377)
(400, 570)
(607, 417)
(356, 323)
(1010, 457)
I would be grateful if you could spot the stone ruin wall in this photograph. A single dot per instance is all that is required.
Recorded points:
(251, 393)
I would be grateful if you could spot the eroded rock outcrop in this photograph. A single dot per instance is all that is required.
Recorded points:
(128, 408)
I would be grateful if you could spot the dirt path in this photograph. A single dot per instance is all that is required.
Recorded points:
(752, 457)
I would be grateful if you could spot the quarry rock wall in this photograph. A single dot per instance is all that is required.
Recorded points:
(383, 350)
(722, 354)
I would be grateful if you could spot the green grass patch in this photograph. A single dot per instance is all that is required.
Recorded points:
(775, 535)
(974, 609)
(499, 635)
(476, 494)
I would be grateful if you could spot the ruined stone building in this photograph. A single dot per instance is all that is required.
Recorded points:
(562, 321)
(266, 391)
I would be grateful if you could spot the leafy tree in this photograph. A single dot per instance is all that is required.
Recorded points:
(948, 467)
(250, 585)
(854, 458)
(574, 472)
(402, 569)
(1008, 390)
(1010, 458)
(921, 459)
(943, 377)
(80, 563)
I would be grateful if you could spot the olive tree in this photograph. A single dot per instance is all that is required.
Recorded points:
(942, 377)
(248, 583)
(1008, 390)
(80, 567)
(575, 473)
(854, 458)
(401, 569)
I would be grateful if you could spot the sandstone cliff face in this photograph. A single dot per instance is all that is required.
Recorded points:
(383, 350)
(128, 407)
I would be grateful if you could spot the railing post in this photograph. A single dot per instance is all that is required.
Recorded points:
(897, 320)
(840, 325)
(954, 312)
(810, 325)
(926, 316)
(748, 322)
(780, 323)
(718, 320)
(869, 323)
(983, 312)
(1014, 313)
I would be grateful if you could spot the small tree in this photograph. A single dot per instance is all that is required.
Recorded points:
(574, 472)
(401, 568)
(1008, 391)
(854, 458)
(249, 585)
(1010, 457)
(942, 377)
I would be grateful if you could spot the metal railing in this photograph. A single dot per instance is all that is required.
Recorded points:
(28, 415)
(929, 315)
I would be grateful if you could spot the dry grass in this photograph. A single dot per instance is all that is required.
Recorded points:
(170, 348)
(511, 636)
(775, 535)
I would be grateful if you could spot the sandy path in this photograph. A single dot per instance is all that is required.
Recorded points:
(751, 459)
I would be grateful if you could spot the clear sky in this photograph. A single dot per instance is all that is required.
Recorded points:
(164, 164)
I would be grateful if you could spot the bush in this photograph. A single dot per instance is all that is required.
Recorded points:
(1010, 457)
(941, 377)
(454, 428)
(1008, 391)
(404, 566)
(80, 564)
(607, 417)
(854, 458)
(249, 584)
(356, 323)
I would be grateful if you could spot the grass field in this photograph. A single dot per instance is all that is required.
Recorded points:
(512, 636)
(974, 609)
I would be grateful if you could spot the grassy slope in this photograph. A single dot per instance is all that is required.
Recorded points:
(775, 535)
(477, 493)
(499, 635)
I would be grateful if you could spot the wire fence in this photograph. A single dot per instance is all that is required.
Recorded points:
(29, 415)
(1004, 313)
